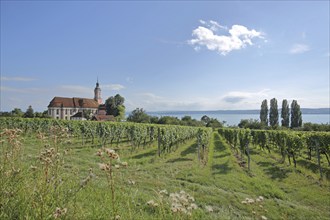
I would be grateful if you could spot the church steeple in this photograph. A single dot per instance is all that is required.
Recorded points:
(97, 92)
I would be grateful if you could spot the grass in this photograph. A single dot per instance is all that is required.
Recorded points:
(218, 187)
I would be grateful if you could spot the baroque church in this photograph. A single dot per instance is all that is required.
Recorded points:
(73, 108)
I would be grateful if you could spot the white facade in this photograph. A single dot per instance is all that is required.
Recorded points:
(66, 112)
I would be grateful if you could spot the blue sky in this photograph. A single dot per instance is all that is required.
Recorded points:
(165, 55)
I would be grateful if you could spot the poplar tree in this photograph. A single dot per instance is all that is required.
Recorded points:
(273, 113)
(285, 114)
(264, 113)
(296, 118)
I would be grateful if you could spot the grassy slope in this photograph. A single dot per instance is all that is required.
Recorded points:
(289, 193)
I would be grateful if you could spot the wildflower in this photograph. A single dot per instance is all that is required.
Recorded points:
(48, 160)
(104, 166)
(131, 182)
(124, 164)
(33, 168)
(111, 153)
(59, 212)
(209, 208)
(152, 203)
(174, 209)
(99, 153)
(164, 191)
(193, 206)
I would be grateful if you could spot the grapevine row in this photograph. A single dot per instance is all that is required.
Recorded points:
(290, 144)
(168, 137)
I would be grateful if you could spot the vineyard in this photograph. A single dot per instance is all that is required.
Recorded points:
(91, 170)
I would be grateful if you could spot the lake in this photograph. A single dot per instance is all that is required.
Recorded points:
(234, 119)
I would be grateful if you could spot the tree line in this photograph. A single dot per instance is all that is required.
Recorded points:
(139, 115)
(290, 118)
(286, 112)
(29, 113)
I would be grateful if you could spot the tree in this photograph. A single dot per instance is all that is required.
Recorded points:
(214, 123)
(273, 113)
(285, 114)
(115, 106)
(87, 114)
(205, 119)
(169, 120)
(296, 118)
(121, 113)
(264, 113)
(29, 112)
(17, 112)
(250, 123)
(154, 119)
(43, 114)
(138, 115)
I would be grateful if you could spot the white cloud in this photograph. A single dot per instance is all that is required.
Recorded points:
(231, 100)
(299, 48)
(239, 37)
(17, 78)
(114, 87)
(238, 97)
(213, 25)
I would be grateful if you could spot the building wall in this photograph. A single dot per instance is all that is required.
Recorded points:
(66, 113)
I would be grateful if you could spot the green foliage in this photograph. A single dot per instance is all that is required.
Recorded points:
(121, 113)
(139, 116)
(29, 112)
(264, 113)
(296, 118)
(188, 121)
(315, 127)
(115, 105)
(87, 114)
(46, 173)
(285, 114)
(273, 113)
(206, 119)
(168, 120)
(289, 143)
(17, 112)
(250, 123)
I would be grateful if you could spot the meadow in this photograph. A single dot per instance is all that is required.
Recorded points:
(53, 174)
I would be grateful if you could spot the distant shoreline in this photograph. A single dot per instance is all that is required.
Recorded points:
(241, 112)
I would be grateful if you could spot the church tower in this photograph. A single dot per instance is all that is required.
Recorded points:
(97, 93)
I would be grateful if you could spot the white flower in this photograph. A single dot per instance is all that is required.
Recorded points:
(209, 208)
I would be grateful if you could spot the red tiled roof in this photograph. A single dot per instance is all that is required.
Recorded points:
(73, 102)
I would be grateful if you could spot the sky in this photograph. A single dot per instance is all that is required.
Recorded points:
(166, 55)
